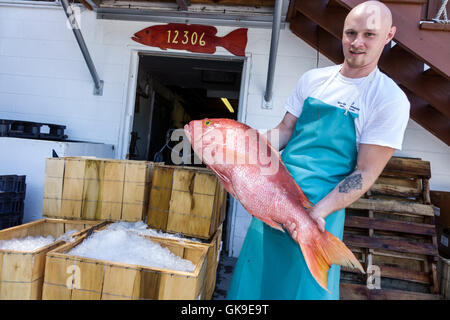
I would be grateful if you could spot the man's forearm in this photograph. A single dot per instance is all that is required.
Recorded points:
(345, 193)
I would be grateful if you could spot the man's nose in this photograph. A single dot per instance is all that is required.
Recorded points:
(358, 41)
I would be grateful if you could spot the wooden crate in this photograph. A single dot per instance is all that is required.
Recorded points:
(391, 230)
(212, 261)
(96, 189)
(93, 279)
(186, 200)
(22, 273)
(444, 277)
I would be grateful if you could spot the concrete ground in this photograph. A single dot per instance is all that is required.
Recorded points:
(224, 274)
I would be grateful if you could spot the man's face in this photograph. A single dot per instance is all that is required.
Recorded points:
(364, 37)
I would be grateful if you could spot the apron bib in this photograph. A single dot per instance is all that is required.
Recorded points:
(321, 153)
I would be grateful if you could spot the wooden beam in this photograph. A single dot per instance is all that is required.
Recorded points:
(330, 19)
(393, 206)
(390, 225)
(428, 117)
(403, 245)
(407, 70)
(398, 273)
(350, 291)
(317, 38)
(407, 167)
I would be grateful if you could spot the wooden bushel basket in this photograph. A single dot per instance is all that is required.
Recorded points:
(92, 279)
(22, 273)
(186, 200)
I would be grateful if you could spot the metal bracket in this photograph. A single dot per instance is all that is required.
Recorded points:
(98, 91)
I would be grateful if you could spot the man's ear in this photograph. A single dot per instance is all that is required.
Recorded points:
(391, 34)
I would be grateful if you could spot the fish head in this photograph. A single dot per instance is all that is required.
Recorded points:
(143, 36)
(208, 138)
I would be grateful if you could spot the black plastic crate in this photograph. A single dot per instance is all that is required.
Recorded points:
(8, 183)
(20, 184)
(9, 220)
(28, 129)
(24, 129)
(17, 203)
(6, 202)
(56, 132)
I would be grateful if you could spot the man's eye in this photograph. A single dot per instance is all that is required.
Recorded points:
(370, 34)
(351, 33)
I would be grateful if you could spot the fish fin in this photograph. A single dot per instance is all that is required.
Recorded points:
(272, 223)
(304, 200)
(324, 251)
(235, 41)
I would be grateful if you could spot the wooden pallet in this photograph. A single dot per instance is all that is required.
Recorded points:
(391, 230)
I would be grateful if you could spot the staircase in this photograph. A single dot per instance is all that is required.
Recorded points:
(418, 59)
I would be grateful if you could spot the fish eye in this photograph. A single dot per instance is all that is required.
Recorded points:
(147, 32)
(207, 122)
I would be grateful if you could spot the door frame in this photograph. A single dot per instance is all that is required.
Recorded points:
(126, 125)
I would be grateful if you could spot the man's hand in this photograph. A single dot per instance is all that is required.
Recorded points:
(317, 218)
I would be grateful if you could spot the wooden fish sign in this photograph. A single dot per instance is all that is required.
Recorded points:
(193, 38)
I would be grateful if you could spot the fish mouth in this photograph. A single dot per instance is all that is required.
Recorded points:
(187, 131)
(136, 38)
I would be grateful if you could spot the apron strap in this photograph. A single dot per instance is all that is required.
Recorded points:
(358, 91)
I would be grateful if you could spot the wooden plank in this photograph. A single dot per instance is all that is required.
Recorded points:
(158, 209)
(53, 187)
(72, 198)
(390, 244)
(113, 184)
(407, 166)
(93, 189)
(360, 292)
(395, 190)
(119, 281)
(399, 273)
(400, 181)
(135, 191)
(390, 225)
(393, 206)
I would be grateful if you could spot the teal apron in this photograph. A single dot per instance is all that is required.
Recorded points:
(321, 153)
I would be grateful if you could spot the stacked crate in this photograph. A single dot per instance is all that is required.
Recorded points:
(191, 202)
(12, 196)
(183, 200)
(391, 231)
(96, 189)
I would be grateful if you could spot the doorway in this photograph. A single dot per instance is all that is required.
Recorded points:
(172, 90)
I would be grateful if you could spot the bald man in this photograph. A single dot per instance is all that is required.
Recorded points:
(342, 125)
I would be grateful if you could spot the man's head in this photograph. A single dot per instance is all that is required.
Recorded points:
(367, 29)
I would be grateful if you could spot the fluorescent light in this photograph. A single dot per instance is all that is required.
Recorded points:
(227, 103)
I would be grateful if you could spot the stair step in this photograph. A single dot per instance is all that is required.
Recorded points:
(434, 26)
(406, 69)
(406, 1)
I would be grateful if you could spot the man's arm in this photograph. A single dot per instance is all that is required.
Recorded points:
(371, 161)
(284, 130)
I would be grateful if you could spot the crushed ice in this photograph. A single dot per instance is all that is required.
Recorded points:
(31, 243)
(142, 228)
(117, 244)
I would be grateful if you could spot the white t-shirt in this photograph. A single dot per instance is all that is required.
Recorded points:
(382, 106)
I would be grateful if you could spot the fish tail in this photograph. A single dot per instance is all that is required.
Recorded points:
(324, 251)
(235, 41)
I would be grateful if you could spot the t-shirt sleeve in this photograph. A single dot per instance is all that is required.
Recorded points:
(386, 126)
(294, 103)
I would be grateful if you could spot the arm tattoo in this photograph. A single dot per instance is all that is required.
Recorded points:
(353, 182)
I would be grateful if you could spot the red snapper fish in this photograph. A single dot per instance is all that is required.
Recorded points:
(194, 38)
(251, 170)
